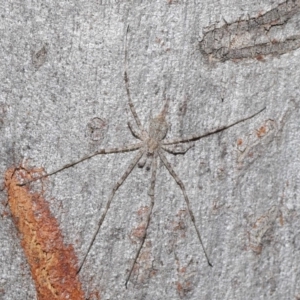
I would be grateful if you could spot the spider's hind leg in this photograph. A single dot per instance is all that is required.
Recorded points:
(187, 201)
(115, 188)
(151, 194)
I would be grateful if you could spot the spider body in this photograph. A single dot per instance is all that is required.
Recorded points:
(158, 127)
(151, 147)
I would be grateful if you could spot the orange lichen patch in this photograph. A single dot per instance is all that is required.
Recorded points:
(52, 264)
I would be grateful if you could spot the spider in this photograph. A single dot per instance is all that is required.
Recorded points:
(151, 147)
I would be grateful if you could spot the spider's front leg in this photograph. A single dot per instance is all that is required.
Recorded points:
(196, 137)
(141, 135)
(122, 149)
(134, 132)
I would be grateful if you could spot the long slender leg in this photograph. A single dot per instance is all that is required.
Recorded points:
(126, 79)
(198, 137)
(183, 148)
(181, 185)
(127, 148)
(115, 188)
(151, 194)
(133, 131)
(166, 104)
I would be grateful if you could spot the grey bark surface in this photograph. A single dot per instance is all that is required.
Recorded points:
(63, 96)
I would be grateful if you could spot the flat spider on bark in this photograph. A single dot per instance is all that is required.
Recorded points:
(150, 148)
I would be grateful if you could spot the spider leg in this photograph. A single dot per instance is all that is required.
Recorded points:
(151, 194)
(148, 161)
(166, 104)
(182, 149)
(143, 160)
(135, 133)
(196, 137)
(126, 79)
(115, 188)
(126, 148)
(181, 185)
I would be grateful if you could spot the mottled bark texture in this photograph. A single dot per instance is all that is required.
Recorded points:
(63, 97)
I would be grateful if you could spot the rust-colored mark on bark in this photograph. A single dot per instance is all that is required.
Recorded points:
(138, 232)
(53, 265)
(260, 228)
(256, 143)
(178, 229)
(144, 268)
(179, 225)
(239, 142)
(268, 33)
(262, 131)
(186, 280)
(94, 295)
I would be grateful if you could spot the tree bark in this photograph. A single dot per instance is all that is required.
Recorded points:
(63, 97)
